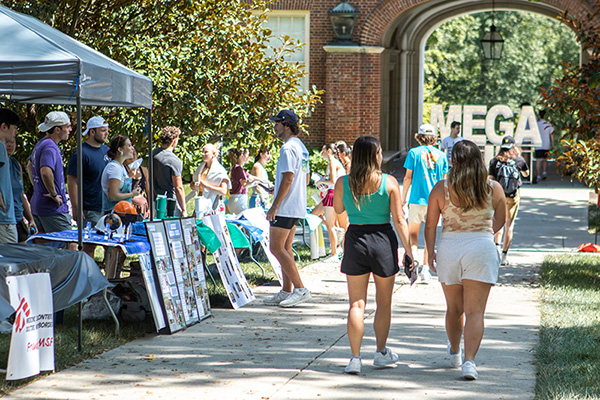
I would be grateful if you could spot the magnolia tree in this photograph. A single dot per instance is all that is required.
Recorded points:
(215, 75)
(573, 104)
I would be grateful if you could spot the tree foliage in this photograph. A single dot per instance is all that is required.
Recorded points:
(534, 49)
(573, 102)
(215, 75)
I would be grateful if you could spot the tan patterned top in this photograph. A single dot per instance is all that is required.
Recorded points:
(455, 219)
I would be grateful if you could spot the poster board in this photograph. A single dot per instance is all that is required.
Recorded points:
(153, 297)
(233, 278)
(257, 217)
(182, 271)
(193, 251)
(167, 283)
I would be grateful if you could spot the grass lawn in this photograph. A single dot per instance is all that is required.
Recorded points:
(568, 354)
(99, 336)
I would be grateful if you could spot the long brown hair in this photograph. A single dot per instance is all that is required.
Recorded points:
(365, 167)
(468, 176)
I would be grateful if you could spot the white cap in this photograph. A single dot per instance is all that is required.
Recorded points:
(54, 118)
(426, 129)
(93, 123)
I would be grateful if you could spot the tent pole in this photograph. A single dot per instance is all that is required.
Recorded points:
(150, 184)
(80, 208)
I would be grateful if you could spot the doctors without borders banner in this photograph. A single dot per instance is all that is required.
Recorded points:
(32, 340)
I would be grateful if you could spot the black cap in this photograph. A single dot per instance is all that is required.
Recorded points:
(286, 115)
(507, 142)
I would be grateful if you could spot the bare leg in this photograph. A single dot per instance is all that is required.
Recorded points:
(281, 247)
(508, 234)
(454, 315)
(330, 218)
(357, 296)
(475, 299)
(413, 235)
(384, 288)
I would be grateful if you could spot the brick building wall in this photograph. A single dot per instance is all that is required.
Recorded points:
(351, 104)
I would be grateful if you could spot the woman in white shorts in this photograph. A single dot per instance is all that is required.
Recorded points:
(473, 208)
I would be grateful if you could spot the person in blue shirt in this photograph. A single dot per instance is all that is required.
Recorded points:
(425, 166)
(8, 224)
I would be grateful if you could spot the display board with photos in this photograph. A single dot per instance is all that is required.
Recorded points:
(151, 288)
(167, 281)
(193, 251)
(233, 278)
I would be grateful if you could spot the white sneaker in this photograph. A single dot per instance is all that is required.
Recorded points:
(385, 360)
(425, 275)
(469, 370)
(503, 260)
(278, 298)
(298, 296)
(353, 366)
(455, 358)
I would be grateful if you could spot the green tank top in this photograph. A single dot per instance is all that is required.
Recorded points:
(374, 208)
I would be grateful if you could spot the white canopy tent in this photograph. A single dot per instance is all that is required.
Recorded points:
(41, 65)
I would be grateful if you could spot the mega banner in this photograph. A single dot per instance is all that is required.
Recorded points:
(233, 278)
(32, 340)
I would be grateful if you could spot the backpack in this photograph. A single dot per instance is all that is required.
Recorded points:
(509, 177)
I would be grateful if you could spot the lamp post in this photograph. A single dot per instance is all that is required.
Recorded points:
(492, 42)
(343, 20)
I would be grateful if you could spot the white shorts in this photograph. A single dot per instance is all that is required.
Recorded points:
(417, 213)
(467, 255)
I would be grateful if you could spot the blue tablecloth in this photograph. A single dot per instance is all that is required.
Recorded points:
(138, 244)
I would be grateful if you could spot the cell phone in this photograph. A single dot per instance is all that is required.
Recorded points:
(411, 273)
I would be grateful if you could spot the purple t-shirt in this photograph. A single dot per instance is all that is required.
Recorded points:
(47, 154)
(237, 174)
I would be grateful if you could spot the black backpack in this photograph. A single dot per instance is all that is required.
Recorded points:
(508, 176)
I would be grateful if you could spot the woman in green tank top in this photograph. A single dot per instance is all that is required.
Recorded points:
(370, 246)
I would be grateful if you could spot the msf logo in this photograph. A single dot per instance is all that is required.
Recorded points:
(23, 311)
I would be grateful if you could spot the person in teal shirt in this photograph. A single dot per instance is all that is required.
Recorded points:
(370, 246)
(425, 166)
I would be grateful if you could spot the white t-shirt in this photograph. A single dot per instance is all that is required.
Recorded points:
(447, 144)
(293, 157)
(113, 170)
(545, 131)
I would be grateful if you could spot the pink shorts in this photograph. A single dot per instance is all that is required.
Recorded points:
(328, 199)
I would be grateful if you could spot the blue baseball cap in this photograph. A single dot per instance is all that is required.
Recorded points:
(285, 115)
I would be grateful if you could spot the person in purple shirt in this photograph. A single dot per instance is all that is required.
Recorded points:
(46, 170)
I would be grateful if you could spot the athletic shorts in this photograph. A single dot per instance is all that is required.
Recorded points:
(417, 213)
(512, 207)
(53, 223)
(8, 233)
(543, 154)
(284, 222)
(467, 255)
(370, 248)
(328, 199)
(92, 216)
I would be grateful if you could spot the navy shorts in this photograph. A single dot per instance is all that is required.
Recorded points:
(284, 222)
(370, 248)
(543, 154)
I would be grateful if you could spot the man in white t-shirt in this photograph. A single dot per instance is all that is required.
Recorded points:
(449, 141)
(542, 152)
(289, 205)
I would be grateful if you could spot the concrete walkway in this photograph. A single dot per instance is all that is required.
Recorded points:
(261, 352)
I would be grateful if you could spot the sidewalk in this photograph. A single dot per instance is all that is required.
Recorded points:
(260, 352)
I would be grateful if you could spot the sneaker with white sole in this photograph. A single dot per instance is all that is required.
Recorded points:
(298, 296)
(425, 275)
(353, 366)
(278, 298)
(455, 358)
(503, 260)
(469, 370)
(386, 359)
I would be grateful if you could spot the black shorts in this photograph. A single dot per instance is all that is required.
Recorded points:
(543, 154)
(284, 222)
(370, 248)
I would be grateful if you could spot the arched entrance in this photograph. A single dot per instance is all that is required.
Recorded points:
(403, 35)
